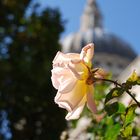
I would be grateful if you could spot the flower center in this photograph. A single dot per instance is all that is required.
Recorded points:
(89, 80)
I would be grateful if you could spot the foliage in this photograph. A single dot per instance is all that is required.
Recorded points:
(114, 121)
(27, 47)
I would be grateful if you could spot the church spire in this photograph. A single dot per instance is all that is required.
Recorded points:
(91, 17)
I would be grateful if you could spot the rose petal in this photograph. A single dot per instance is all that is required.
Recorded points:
(79, 70)
(58, 58)
(90, 101)
(73, 98)
(55, 80)
(67, 85)
(62, 104)
(63, 79)
(87, 54)
(75, 113)
(74, 72)
(65, 58)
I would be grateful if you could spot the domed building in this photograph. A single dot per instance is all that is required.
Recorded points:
(111, 53)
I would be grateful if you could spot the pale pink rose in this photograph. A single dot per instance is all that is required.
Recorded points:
(70, 76)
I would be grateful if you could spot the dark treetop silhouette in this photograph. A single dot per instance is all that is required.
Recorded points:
(27, 47)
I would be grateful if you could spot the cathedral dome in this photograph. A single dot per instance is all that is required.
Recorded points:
(112, 53)
(104, 43)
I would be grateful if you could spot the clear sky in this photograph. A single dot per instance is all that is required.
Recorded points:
(121, 17)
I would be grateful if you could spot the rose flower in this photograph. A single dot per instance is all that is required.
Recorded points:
(73, 77)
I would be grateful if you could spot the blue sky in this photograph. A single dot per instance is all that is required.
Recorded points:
(121, 17)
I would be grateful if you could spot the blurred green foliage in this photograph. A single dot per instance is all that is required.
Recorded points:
(114, 120)
(27, 48)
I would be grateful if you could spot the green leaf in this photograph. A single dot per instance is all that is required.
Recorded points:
(111, 108)
(130, 114)
(112, 132)
(133, 77)
(138, 81)
(121, 108)
(115, 107)
(109, 121)
(126, 132)
(127, 119)
(115, 92)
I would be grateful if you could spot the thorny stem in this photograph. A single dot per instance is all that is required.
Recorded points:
(117, 84)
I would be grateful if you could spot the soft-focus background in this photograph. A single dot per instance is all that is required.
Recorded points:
(30, 34)
(28, 44)
(119, 17)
